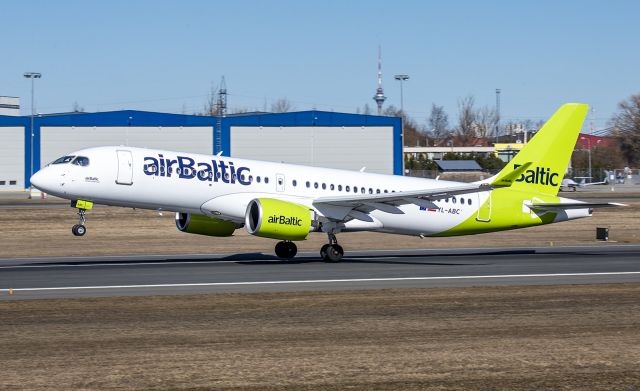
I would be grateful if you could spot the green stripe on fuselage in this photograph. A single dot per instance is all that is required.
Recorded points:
(508, 211)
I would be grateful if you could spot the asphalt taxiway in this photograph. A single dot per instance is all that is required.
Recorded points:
(63, 277)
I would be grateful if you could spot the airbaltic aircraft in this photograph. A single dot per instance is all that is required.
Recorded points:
(215, 195)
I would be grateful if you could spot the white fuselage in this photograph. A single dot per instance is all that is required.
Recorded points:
(222, 187)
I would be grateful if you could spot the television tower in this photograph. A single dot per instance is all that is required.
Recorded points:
(379, 96)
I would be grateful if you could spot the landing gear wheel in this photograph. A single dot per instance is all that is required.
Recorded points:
(286, 250)
(79, 230)
(334, 253)
(323, 251)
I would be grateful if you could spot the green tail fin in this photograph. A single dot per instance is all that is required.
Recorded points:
(547, 154)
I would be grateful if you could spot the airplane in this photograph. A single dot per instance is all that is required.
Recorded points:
(215, 195)
(570, 184)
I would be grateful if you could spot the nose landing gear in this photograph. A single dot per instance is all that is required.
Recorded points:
(82, 206)
(286, 249)
(332, 252)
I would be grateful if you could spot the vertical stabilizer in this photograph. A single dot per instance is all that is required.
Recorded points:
(547, 155)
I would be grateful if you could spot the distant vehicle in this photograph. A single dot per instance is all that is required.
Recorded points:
(569, 184)
(215, 195)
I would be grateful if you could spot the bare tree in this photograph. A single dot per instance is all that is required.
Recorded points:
(438, 122)
(282, 105)
(626, 128)
(211, 106)
(486, 120)
(466, 129)
(414, 135)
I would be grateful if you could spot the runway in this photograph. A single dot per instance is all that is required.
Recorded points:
(57, 277)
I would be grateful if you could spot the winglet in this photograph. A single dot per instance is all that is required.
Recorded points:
(506, 178)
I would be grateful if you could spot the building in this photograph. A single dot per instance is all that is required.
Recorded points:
(316, 138)
(9, 105)
(507, 151)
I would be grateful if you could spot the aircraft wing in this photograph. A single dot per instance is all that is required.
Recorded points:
(339, 207)
(573, 205)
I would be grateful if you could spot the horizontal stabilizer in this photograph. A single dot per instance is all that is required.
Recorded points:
(506, 178)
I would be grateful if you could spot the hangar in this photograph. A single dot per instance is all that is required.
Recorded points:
(315, 138)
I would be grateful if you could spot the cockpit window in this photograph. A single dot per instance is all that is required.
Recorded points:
(63, 160)
(81, 161)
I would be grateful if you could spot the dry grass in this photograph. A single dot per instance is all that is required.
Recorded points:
(557, 337)
(46, 231)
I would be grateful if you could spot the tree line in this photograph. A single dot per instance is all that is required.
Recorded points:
(479, 126)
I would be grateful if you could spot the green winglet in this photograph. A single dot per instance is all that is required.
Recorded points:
(506, 179)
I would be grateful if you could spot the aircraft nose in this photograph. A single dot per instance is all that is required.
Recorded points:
(41, 181)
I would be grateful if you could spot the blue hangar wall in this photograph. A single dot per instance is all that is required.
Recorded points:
(339, 140)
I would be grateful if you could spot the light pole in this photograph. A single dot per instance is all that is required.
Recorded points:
(32, 76)
(589, 153)
(498, 114)
(401, 78)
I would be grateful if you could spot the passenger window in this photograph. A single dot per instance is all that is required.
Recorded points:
(295, 183)
(462, 200)
(331, 186)
(377, 191)
(226, 175)
(308, 184)
(324, 186)
(362, 190)
(266, 179)
(469, 201)
(339, 187)
(347, 188)
(258, 179)
(315, 185)
(453, 200)
(370, 191)
(355, 189)
(81, 161)
(386, 191)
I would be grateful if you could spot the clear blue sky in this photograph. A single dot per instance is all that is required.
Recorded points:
(165, 55)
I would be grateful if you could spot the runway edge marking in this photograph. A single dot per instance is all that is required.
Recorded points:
(354, 280)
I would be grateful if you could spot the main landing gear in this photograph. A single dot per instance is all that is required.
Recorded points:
(332, 251)
(82, 206)
(286, 249)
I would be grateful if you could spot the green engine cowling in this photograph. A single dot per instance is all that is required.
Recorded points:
(277, 219)
(203, 225)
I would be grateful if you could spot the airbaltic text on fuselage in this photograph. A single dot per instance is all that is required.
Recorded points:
(540, 176)
(187, 168)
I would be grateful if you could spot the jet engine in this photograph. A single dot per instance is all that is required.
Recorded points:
(277, 219)
(203, 225)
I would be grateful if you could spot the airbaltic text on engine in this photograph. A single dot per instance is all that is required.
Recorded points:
(539, 176)
(187, 168)
(275, 219)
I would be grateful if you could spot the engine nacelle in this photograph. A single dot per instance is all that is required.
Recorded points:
(277, 219)
(203, 225)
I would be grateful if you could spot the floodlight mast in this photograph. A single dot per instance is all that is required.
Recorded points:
(32, 76)
(401, 78)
